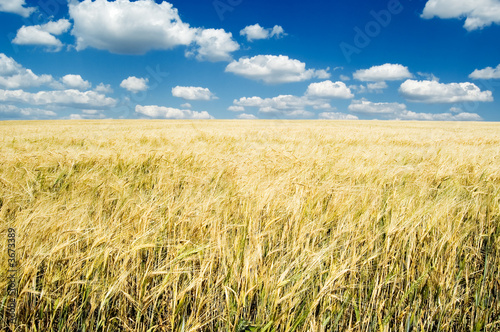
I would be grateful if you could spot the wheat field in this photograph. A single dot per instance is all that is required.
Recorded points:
(251, 225)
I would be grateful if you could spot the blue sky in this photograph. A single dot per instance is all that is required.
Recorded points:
(242, 59)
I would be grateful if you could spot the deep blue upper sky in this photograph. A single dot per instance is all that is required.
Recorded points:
(226, 59)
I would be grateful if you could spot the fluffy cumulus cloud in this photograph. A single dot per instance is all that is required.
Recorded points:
(374, 87)
(16, 7)
(367, 107)
(135, 84)
(435, 92)
(235, 108)
(428, 76)
(464, 116)
(160, 112)
(75, 82)
(478, 13)
(87, 115)
(192, 93)
(244, 116)
(329, 89)
(274, 69)
(43, 35)
(317, 97)
(13, 112)
(70, 91)
(282, 105)
(103, 88)
(336, 116)
(385, 72)
(213, 45)
(70, 97)
(8, 66)
(254, 32)
(487, 73)
(120, 27)
(14, 76)
(397, 111)
(377, 87)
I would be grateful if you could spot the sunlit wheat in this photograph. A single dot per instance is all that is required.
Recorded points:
(252, 225)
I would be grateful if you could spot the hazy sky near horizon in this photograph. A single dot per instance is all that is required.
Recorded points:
(242, 59)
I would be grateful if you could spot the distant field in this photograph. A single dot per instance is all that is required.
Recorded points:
(252, 225)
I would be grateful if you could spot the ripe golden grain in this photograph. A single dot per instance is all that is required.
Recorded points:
(252, 225)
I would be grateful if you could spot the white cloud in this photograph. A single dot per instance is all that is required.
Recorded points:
(121, 27)
(358, 88)
(336, 116)
(428, 76)
(345, 78)
(364, 106)
(397, 111)
(254, 32)
(192, 93)
(213, 45)
(32, 36)
(71, 97)
(290, 114)
(329, 89)
(135, 84)
(104, 88)
(322, 73)
(56, 28)
(409, 115)
(274, 69)
(16, 7)
(186, 105)
(282, 105)
(245, 116)
(12, 112)
(14, 76)
(91, 112)
(478, 13)
(277, 31)
(75, 82)
(236, 108)
(24, 79)
(487, 73)
(8, 66)
(455, 110)
(435, 92)
(72, 81)
(154, 111)
(375, 87)
(316, 97)
(87, 114)
(42, 35)
(385, 72)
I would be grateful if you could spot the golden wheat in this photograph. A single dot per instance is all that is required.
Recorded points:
(252, 225)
